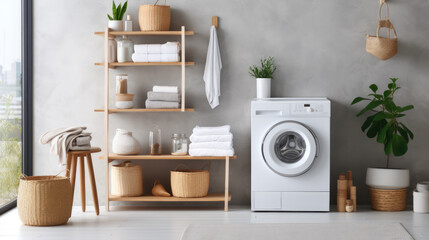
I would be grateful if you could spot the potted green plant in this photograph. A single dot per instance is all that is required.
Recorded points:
(115, 21)
(384, 125)
(263, 75)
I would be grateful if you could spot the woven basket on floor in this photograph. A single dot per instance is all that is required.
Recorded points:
(154, 18)
(388, 200)
(44, 200)
(189, 183)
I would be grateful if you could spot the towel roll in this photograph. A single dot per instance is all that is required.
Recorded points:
(211, 138)
(170, 48)
(161, 104)
(211, 152)
(167, 89)
(211, 145)
(163, 96)
(221, 130)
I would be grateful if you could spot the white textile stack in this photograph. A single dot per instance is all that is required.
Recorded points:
(65, 139)
(163, 97)
(168, 52)
(211, 141)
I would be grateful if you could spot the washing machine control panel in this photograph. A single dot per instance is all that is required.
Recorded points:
(308, 108)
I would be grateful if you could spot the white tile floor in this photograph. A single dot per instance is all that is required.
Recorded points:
(169, 223)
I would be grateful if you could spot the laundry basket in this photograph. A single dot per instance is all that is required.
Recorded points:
(127, 180)
(154, 17)
(44, 200)
(190, 183)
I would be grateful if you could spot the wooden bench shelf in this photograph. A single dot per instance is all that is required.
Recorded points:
(219, 197)
(137, 110)
(146, 33)
(113, 156)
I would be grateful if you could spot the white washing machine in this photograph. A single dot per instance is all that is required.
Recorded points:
(290, 154)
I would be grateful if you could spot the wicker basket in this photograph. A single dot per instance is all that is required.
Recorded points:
(388, 200)
(189, 183)
(154, 18)
(127, 180)
(45, 200)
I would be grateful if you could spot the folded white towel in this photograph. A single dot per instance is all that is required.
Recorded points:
(154, 48)
(222, 130)
(170, 48)
(140, 57)
(140, 48)
(169, 89)
(211, 152)
(211, 138)
(211, 145)
(170, 57)
(154, 57)
(144, 57)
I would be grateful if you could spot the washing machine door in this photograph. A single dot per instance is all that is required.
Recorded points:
(289, 148)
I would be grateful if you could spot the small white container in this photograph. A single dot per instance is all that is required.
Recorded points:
(263, 87)
(124, 104)
(124, 143)
(116, 25)
(421, 202)
(128, 24)
(125, 49)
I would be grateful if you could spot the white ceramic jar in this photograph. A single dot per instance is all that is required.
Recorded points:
(421, 202)
(124, 143)
(125, 49)
(263, 87)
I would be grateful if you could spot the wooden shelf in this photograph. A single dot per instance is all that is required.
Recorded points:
(147, 33)
(113, 156)
(220, 197)
(136, 64)
(137, 110)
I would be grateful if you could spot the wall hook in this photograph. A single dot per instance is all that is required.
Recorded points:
(215, 20)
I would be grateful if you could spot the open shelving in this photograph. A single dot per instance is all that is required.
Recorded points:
(110, 157)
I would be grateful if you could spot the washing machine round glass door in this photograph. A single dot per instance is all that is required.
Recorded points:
(289, 148)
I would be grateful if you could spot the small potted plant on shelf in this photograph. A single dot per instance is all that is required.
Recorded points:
(388, 186)
(115, 21)
(263, 75)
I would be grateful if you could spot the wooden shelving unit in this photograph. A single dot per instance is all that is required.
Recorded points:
(109, 157)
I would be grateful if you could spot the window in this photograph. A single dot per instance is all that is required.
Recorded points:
(15, 95)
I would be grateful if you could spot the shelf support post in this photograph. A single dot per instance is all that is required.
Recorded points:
(106, 115)
(183, 69)
(226, 183)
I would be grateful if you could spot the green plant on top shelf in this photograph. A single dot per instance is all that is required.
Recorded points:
(384, 121)
(266, 70)
(118, 12)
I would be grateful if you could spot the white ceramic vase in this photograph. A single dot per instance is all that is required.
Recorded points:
(124, 143)
(421, 202)
(263, 87)
(384, 178)
(116, 25)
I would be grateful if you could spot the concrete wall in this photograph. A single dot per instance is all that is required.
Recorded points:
(319, 47)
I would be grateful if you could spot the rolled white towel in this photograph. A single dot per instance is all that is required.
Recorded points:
(154, 48)
(170, 48)
(211, 145)
(170, 57)
(154, 57)
(211, 152)
(211, 138)
(169, 89)
(222, 130)
(140, 48)
(140, 57)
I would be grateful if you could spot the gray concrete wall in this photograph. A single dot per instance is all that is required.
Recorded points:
(319, 48)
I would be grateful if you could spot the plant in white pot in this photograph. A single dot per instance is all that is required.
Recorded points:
(115, 21)
(263, 75)
(388, 186)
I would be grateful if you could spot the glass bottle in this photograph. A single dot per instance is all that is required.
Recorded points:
(128, 24)
(125, 49)
(179, 144)
(112, 49)
(155, 141)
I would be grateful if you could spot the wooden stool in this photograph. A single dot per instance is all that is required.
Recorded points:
(72, 157)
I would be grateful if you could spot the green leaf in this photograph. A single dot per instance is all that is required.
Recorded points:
(118, 11)
(394, 79)
(378, 96)
(387, 93)
(367, 122)
(373, 104)
(114, 11)
(406, 108)
(382, 115)
(399, 145)
(374, 88)
(388, 148)
(403, 133)
(375, 128)
(381, 137)
(124, 9)
(110, 18)
(408, 131)
(358, 99)
(390, 105)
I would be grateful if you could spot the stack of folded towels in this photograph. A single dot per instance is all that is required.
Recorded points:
(163, 97)
(168, 52)
(211, 141)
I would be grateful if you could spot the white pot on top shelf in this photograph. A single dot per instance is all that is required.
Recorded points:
(263, 75)
(115, 20)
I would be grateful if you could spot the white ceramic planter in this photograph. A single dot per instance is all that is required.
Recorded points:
(263, 87)
(124, 104)
(382, 178)
(421, 202)
(116, 25)
(124, 143)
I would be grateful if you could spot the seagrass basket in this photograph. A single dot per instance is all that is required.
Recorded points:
(388, 200)
(44, 200)
(154, 17)
(189, 183)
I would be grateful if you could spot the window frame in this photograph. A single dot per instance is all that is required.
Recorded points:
(27, 92)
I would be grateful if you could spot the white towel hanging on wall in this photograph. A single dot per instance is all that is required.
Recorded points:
(213, 70)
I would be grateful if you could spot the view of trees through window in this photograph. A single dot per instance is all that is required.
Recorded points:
(10, 100)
